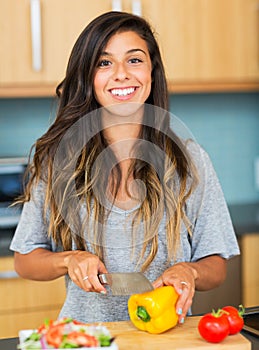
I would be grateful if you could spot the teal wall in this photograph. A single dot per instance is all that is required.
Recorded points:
(226, 125)
(22, 121)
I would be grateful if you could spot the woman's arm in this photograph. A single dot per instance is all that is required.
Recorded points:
(41, 264)
(211, 272)
(44, 265)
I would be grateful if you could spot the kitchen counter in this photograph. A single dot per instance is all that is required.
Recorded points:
(183, 337)
(245, 218)
(11, 343)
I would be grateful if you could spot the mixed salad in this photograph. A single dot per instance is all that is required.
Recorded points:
(66, 333)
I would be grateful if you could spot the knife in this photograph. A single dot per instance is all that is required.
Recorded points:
(126, 283)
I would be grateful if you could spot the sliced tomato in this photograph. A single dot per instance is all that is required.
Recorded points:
(82, 339)
(54, 335)
(44, 326)
(78, 322)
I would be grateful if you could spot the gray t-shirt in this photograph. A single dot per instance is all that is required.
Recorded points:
(212, 234)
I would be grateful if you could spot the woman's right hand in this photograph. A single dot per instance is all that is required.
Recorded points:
(83, 268)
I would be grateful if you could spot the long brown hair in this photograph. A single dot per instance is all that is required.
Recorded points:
(66, 190)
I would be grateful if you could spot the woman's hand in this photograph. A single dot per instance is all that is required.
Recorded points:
(186, 277)
(83, 268)
(44, 265)
(182, 277)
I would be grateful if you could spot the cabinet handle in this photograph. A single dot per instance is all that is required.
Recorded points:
(136, 7)
(116, 5)
(7, 275)
(36, 35)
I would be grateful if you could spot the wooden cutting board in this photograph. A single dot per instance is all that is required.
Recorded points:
(184, 336)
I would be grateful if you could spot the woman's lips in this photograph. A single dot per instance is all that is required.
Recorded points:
(123, 93)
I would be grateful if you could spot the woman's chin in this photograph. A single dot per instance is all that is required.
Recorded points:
(131, 110)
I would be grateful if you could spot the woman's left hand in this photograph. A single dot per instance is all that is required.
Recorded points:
(182, 277)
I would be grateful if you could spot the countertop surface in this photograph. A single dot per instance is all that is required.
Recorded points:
(128, 337)
(11, 343)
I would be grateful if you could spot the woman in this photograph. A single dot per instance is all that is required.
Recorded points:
(113, 189)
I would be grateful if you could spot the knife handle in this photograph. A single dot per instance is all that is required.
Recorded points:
(103, 278)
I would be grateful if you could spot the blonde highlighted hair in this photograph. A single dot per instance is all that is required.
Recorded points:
(169, 179)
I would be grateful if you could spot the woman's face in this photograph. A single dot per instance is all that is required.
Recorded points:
(124, 71)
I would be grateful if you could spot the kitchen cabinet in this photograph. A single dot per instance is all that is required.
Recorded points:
(61, 23)
(207, 45)
(250, 262)
(25, 304)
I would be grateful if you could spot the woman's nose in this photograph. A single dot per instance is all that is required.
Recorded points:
(121, 72)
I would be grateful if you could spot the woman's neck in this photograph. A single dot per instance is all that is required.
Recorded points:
(122, 122)
(121, 133)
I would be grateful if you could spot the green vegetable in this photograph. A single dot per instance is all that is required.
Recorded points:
(105, 340)
(34, 336)
(68, 345)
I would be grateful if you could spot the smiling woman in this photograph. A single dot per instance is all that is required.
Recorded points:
(124, 70)
(113, 188)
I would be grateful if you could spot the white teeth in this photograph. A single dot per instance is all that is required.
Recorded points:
(122, 92)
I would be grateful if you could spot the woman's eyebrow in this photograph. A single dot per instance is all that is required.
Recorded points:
(106, 53)
(135, 50)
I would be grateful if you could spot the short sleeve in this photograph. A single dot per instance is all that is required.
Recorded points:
(213, 232)
(31, 231)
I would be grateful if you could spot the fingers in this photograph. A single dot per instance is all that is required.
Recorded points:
(185, 292)
(185, 301)
(93, 267)
(158, 283)
(92, 284)
(180, 277)
(83, 269)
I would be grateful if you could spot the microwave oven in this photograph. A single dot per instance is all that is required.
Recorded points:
(11, 186)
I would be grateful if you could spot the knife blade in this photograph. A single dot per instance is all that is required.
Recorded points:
(126, 283)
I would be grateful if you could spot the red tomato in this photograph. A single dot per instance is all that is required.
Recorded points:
(82, 339)
(213, 327)
(78, 322)
(54, 335)
(44, 326)
(235, 318)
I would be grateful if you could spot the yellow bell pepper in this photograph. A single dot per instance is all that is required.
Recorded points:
(154, 311)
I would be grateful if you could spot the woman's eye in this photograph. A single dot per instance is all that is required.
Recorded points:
(104, 63)
(135, 60)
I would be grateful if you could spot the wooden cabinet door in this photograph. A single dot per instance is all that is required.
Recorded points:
(25, 304)
(14, 321)
(210, 43)
(250, 262)
(207, 40)
(61, 23)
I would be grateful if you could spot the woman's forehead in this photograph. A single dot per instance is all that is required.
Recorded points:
(130, 39)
